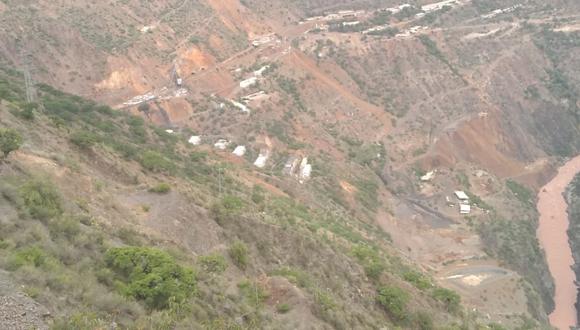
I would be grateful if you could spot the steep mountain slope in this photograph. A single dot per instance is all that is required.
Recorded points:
(481, 94)
(89, 182)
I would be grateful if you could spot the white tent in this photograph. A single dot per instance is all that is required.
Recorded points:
(195, 140)
(239, 151)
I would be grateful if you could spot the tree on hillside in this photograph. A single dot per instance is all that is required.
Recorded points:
(10, 140)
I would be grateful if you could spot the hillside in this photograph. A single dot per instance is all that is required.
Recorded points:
(90, 181)
(394, 107)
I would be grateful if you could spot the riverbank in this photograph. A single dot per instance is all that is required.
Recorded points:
(573, 199)
(553, 236)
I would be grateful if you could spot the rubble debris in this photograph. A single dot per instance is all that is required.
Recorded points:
(290, 165)
(147, 28)
(262, 40)
(298, 167)
(260, 71)
(222, 144)
(428, 177)
(141, 99)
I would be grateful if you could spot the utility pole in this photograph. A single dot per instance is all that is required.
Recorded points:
(29, 83)
(220, 180)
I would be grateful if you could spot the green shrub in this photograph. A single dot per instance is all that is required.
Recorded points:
(213, 263)
(258, 196)
(84, 139)
(239, 254)
(367, 193)
(27, 111)
(370, 260)
(65, 226)
(10, 140)
(41, 199)
(85, 320)
(33, 256)
(423, 321)
(150, 275)
(394, 301)
(283, 308)
(522, 193)
(449, 298)
(417, 279)
(253, 291)
(154, 161)
(295, 276)
(324, 300)
(162, 188)
(227, 207)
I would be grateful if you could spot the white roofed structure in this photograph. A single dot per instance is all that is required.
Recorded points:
(239, 151)
(461, 195)
(195, 140)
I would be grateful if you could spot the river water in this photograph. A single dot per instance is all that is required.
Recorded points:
(553, 238)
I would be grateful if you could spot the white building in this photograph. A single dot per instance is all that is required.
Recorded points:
(354, 23)
(248, 82)
(261, 160)
(254, 96)
(239, 151)
(437, 6)
(464, 208)
(305, 169)
(195, 140)
(241, 106)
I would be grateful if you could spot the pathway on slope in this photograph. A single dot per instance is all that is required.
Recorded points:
(553, 236)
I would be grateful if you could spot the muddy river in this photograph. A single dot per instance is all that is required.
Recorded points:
(554, 240)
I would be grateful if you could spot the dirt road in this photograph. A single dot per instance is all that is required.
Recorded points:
(554, 239)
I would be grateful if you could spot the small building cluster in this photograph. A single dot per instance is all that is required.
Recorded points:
(464, 204)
